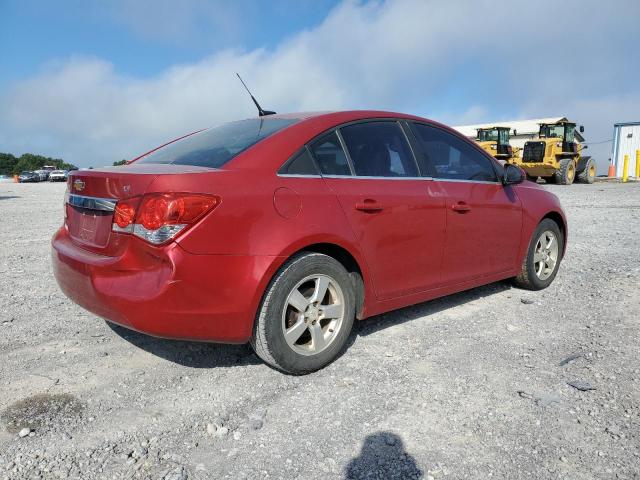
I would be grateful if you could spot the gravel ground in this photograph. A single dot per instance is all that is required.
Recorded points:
(475, 385)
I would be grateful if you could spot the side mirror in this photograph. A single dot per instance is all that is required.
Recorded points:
(581, 128)
(513, 175)
(515, 132)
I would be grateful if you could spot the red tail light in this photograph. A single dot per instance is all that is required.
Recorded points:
(158, 217)
(125, 213)
(171, 209)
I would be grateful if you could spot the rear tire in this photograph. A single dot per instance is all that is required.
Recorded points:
(588, 174)
(306, 314)
(545, 248)
(566, 173)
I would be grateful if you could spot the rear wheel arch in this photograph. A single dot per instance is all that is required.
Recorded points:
(348, 261)
(335, 248)
(306, 315)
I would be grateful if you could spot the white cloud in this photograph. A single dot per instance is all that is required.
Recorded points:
(506, 60)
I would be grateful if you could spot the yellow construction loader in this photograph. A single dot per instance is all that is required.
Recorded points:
(556, 155)
(495, 141)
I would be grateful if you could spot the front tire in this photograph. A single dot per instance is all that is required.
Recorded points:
(543, 257)
(566, 173)
(306, 314)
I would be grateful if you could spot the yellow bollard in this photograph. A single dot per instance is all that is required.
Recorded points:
(637, 164)
(625, 169)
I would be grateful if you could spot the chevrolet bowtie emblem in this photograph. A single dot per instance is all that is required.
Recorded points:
(78, 185)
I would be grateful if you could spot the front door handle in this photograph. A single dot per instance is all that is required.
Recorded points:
(461, 207)
(369, 206)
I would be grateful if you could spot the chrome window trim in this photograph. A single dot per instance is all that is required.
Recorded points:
(413, 154)
(461, 180)
(345, 150)
(435, 179)
(298, 175)
(363, 177)
(356, 177)
(92, 203)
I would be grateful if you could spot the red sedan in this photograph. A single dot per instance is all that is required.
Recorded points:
(280, 230)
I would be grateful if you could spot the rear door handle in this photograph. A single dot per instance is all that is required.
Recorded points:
(461, 207)
(369, 206)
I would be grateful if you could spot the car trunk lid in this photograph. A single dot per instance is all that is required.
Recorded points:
(92, 196)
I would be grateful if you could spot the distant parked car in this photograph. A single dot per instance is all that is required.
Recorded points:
(58, 176)
(28, 177)
(43, 175)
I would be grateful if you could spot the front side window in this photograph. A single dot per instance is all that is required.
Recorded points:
(330, 156)
(379, 149)
(552, 131)
(216, 146)
(487, 135)
(450, 157)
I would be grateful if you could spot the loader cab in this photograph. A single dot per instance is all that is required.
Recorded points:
(495, 141)
(564, 132)
(556, 155)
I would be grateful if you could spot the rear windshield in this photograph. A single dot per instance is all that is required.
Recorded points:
(216, 146)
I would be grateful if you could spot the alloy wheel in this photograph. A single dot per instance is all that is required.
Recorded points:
(545, 255)
(313, 314)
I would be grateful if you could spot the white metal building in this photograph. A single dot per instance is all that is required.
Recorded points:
(626, 140)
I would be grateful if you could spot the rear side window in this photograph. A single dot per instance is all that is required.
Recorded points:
(301, 164)
(330, 156)
(447, 156)
(379, 149)
(216, 146)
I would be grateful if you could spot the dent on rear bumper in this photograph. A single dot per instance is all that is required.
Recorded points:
(165, 292)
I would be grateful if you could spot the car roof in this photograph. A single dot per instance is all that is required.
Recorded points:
(342, 116)
(275, 149)
(326, 120)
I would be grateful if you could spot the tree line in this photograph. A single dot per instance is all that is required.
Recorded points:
(12, 165)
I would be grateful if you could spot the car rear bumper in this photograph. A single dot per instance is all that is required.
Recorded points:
(165, 292)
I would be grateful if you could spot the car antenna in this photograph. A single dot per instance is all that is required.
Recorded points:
(261, 112)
